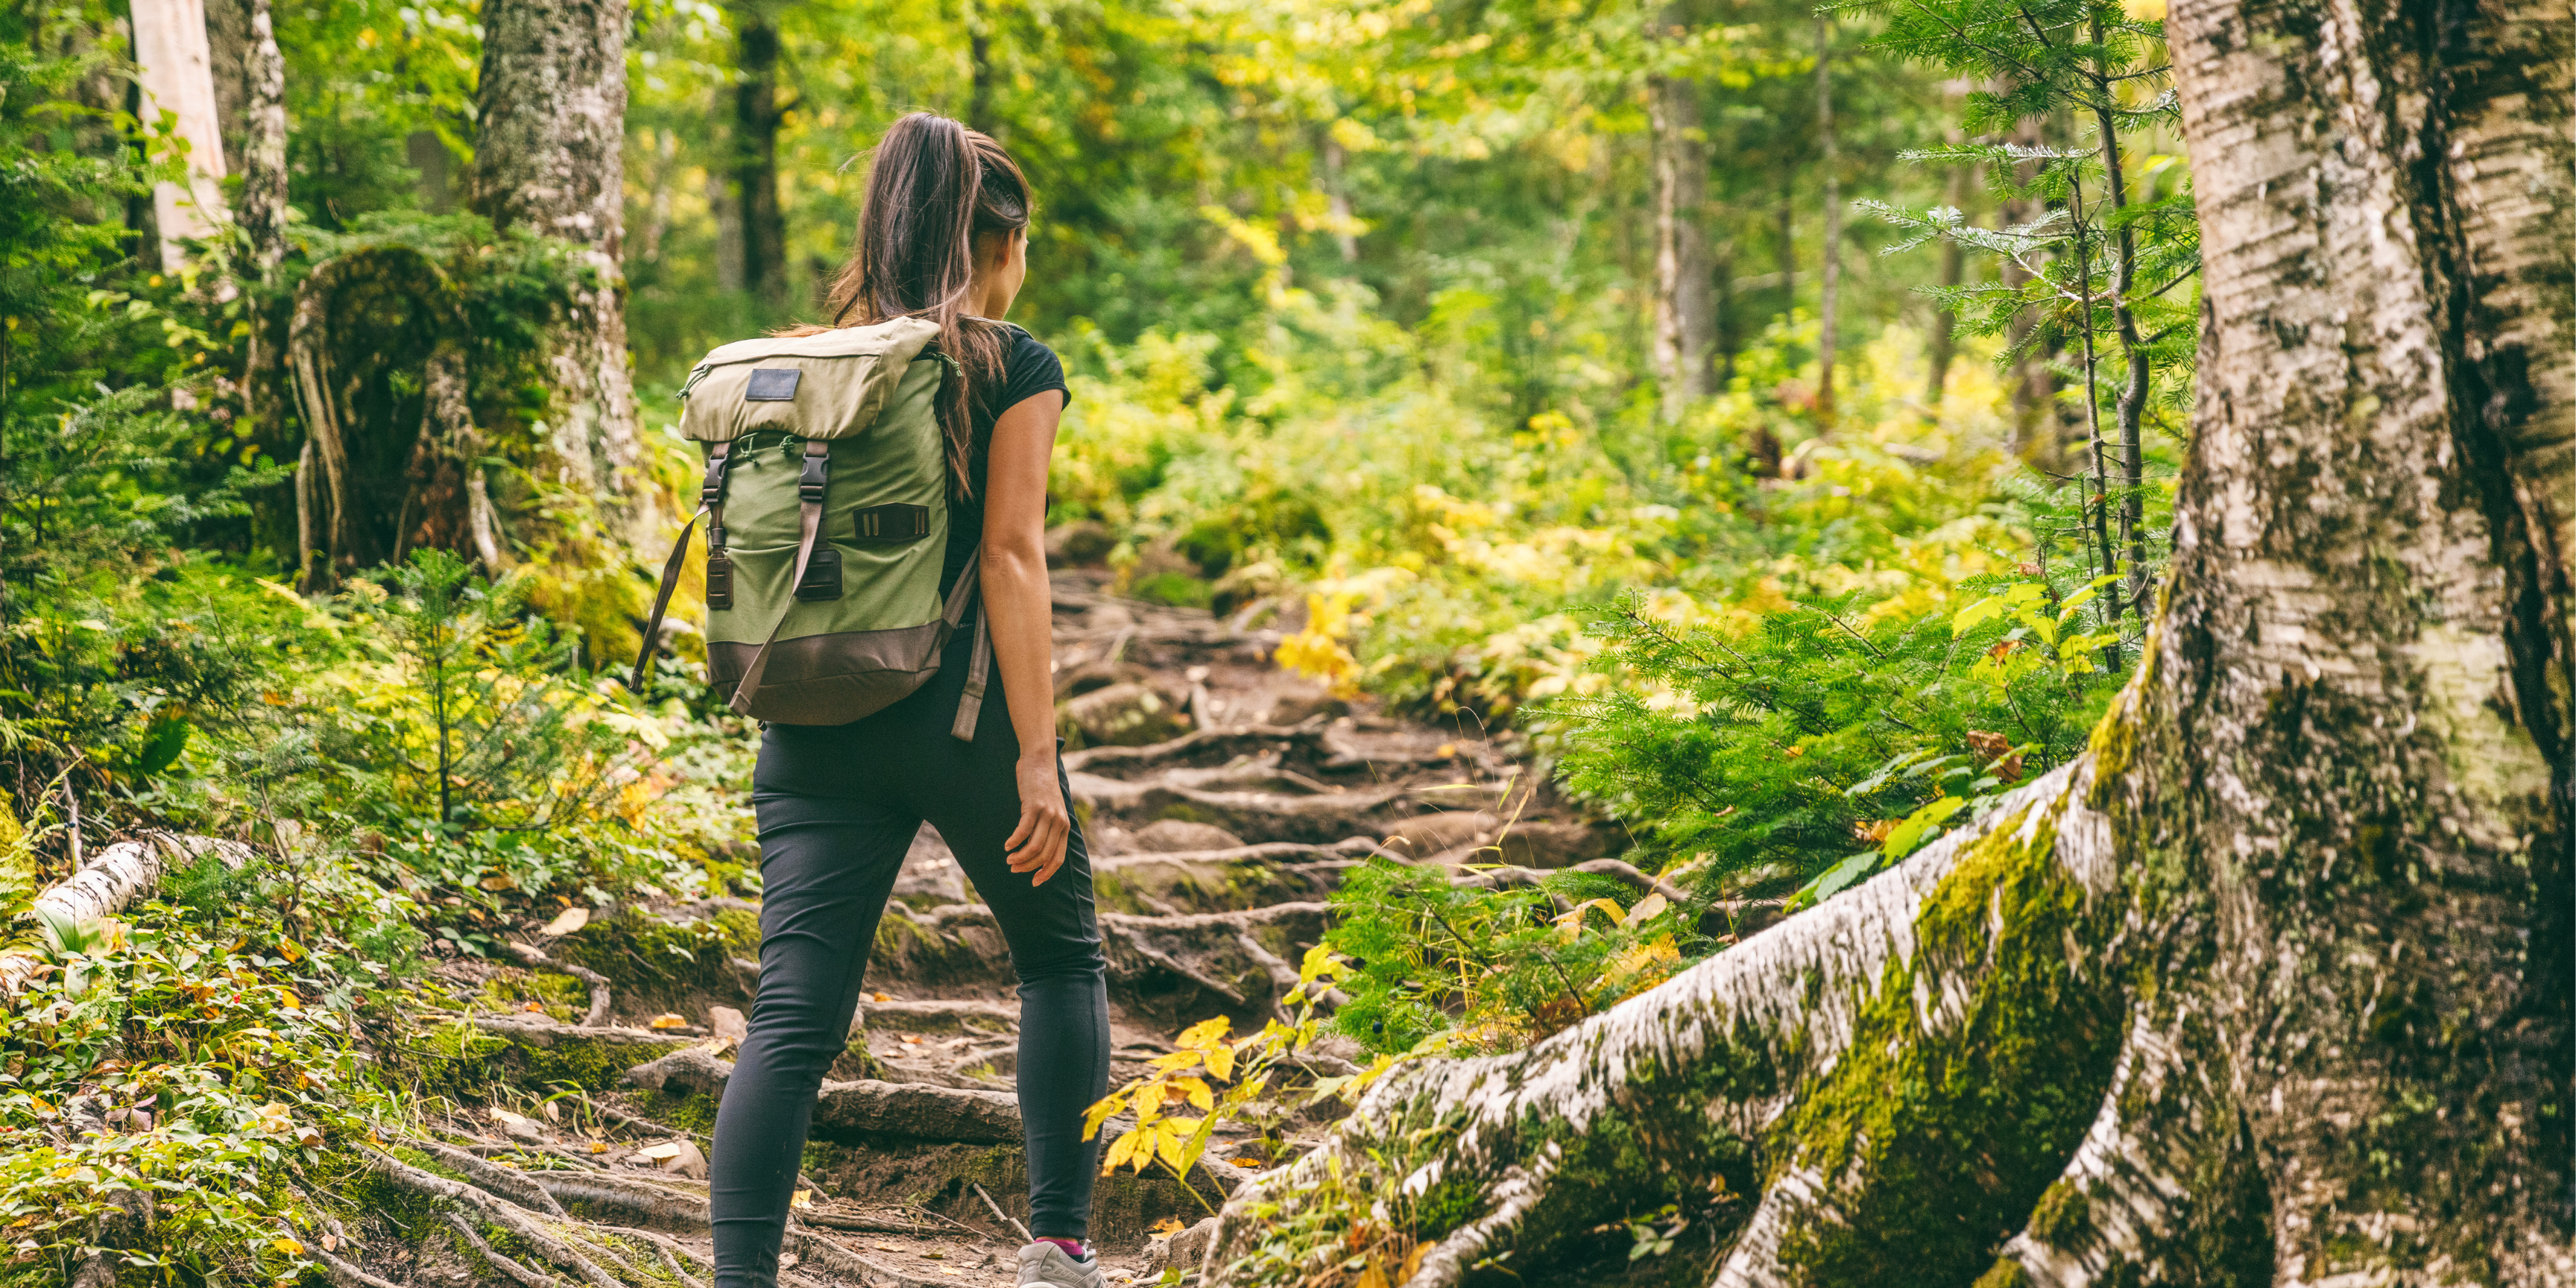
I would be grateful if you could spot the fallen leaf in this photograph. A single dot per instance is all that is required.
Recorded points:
(881, 997)
(499, 881)
(290, 1247)
(533, 1006)
(667, 1020)
(1168, 1225)
(554, 1111)
(568, 921)
(599, 1147)
(1647, 909)
(1445, 750)
(801, 1199)
(667, 1149)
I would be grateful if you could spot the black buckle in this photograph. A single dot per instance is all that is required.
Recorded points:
(719, 460)
(809, 481)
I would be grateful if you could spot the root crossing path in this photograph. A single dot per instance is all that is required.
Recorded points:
(1223, 799)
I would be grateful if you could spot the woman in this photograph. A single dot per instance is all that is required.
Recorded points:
(944, 236)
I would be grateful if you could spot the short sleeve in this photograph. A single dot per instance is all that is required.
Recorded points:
(1030, 369)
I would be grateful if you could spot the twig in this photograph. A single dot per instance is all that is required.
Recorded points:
(1004, 1217)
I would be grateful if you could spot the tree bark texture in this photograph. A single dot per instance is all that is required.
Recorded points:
(2273, 985)
(548, 157)
(2036, 433)
(376, 352)
(1829, 272)
(176, 69)
(1685, 321)
(756, 118)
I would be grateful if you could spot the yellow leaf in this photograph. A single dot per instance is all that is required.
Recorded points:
(1220, 1061)
(667, 1020)
(499, 881)
(568, 921)
(1176, 1061)
(1149, 1101)
(1413, 1259)
(1119, 1150)
(599, 1147)
(1168, 1225)
(290, 1247)
(1201, 1098)
(667, 1149)
(1168, 1142)
(1647, 909)
(801, 1199)
(1374, 1276)
(290, 950)
(1205, 1034)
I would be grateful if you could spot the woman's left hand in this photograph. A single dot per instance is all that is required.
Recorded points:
(1037, 845)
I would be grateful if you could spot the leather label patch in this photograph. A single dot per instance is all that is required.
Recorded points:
(772, 385)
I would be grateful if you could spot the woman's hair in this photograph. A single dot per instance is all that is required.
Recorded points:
(934, 187)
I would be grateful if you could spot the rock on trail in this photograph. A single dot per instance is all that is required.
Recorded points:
(1223, 800)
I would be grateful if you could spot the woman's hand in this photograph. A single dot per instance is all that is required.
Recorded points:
(1037, 844)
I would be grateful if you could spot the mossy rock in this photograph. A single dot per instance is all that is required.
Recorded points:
(560, 998)
(654, 966)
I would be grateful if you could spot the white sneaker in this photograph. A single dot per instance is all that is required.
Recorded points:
(1049, 1264)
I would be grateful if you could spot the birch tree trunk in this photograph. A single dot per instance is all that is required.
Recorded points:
(2274, 984)
(548, 156)
(176, 69)
(1684, 321)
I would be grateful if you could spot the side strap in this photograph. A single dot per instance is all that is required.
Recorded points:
(710, 504)
(809, 519)
(970, 704)
(662, 603)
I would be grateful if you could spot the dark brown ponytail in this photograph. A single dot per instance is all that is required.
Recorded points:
(933, 188)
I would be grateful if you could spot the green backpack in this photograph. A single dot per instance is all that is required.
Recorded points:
(826, 500)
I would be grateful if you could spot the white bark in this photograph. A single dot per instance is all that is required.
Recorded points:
(177, 73)
(115, 877)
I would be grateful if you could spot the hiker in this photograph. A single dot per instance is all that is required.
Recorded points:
(836, 457)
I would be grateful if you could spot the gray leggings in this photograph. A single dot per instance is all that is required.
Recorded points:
(838, 807)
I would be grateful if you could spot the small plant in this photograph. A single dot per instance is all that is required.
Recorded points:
(1224, 1081)
(1444, 965)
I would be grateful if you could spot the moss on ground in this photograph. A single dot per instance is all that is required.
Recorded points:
(655, 965)
(559, 997)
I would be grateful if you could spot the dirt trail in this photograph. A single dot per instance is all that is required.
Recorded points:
(1238, 798)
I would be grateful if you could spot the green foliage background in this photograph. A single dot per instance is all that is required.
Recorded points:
(1357, 297)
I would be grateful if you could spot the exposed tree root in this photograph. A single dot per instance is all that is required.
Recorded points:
(1535, 1148)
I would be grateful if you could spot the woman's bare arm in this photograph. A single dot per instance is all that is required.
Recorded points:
(1019, 610)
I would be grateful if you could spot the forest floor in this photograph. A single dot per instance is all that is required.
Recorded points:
(1223, 800)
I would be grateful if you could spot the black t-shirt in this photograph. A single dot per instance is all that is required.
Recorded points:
(1028, 369)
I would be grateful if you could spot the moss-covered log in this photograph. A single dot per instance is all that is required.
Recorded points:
(2273, 985)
